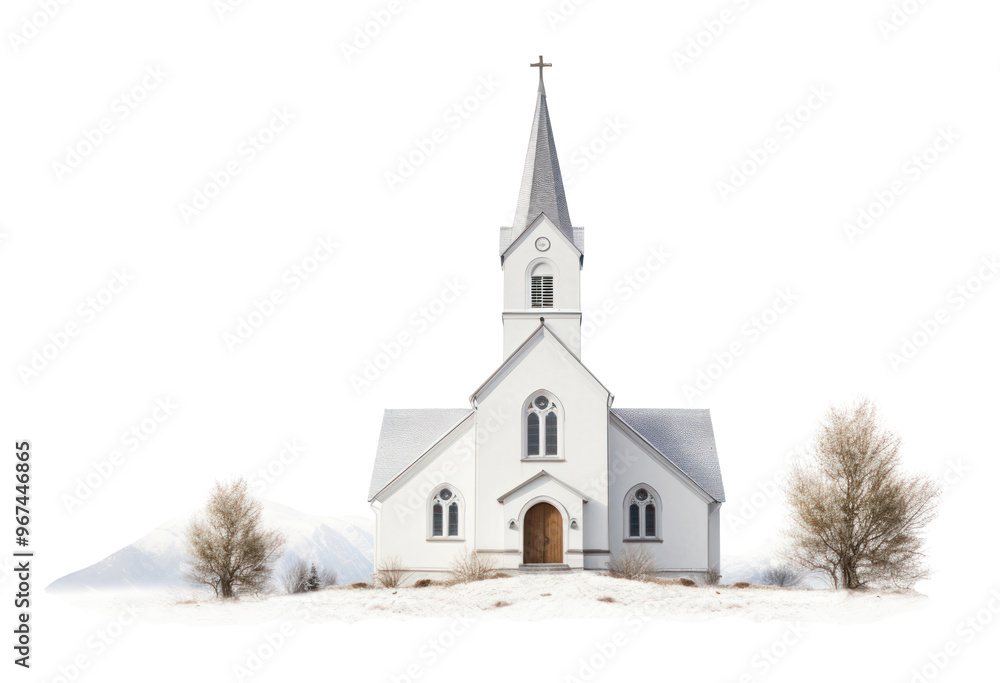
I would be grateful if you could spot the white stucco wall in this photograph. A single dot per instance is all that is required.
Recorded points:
(683, 515)
(402, 515)
(582, 462)
(517, 265)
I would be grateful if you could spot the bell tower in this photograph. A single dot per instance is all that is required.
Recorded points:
(542, 253)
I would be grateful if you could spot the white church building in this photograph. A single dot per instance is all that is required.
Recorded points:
(540, 471)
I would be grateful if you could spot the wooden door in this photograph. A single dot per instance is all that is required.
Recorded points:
(543, 526)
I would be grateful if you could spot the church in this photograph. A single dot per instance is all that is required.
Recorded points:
(540, 471)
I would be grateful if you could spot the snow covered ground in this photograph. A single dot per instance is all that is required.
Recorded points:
(522, 597)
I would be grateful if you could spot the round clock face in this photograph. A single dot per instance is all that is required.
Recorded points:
(542, 244)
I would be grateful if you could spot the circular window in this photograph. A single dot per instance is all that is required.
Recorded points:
(541, 402)
(641, 494)
(445, 494)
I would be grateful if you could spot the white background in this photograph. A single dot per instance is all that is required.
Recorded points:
(654, 186)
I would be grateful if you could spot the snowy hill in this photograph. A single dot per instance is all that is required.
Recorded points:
(154, 561)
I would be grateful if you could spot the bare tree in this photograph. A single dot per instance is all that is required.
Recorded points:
(229, 548)
(327, 577)
(295, 577)
(854, 514)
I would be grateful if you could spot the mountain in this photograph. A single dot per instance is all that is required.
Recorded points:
(345, 544)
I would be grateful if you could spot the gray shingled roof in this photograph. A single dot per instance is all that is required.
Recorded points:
(542, 188)
(406, 435)
(685, 438)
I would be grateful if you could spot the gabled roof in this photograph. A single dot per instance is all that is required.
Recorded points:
(543, 473)
(407, 435)
(542, 188)
(523, 348)
(685, 438)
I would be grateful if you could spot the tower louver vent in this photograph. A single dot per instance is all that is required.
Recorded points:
(541, 291)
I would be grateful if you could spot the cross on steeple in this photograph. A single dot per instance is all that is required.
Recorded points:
(541, 65)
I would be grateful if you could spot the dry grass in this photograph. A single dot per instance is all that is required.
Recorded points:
(606, 598)
(636, 563)
(424, 583)
(675, 582)
(360, 584)
(741, 584)
(712, 577)
(469, 567)
(501, 603)
(391, 574)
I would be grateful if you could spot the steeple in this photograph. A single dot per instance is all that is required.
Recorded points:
(541, 256)
(542, 185)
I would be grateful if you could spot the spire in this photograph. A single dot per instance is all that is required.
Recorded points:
(541, 185)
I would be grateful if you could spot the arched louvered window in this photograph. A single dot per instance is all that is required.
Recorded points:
(641, 505)
(541, 426)
(445, 501)
(542, 285)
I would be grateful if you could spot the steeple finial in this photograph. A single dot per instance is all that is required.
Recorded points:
(541, 66)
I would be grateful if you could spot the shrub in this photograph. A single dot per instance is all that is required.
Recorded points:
(686, 582)
(301, 577)
(741, 584)
(423, 583)
(360, 584)
(784, 577)
(635, 563)
(712, 577)
(295, 577)
(473, 566)
(391, 573)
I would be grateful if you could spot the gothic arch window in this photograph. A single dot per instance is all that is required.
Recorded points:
(541, 285)
(542, 433)
(446, 511)
(642, 518)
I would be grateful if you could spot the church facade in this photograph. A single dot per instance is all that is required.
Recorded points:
(540, 471)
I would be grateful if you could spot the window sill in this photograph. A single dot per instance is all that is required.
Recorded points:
(445, 539)
(543, 458)
(630, 539)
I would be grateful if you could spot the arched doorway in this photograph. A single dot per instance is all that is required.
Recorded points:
(543, 529)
